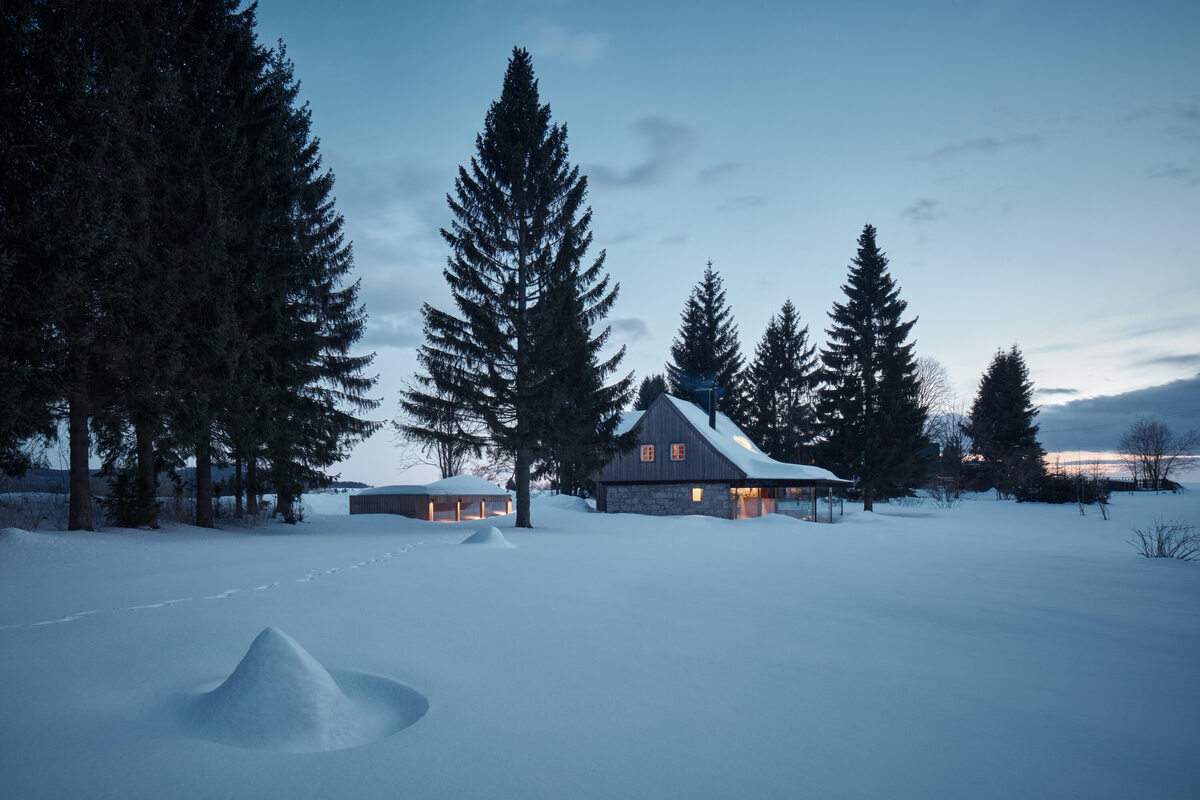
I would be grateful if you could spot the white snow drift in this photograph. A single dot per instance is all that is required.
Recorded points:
(990, 651)
(281, 698)
(488, 535)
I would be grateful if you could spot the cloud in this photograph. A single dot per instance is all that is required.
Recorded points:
(1173, 172)
(1184, 123)
(984, 145)
(1060, 347)
(629, 329)
(667, 142)
(1056, 391)
(1097, 423)
(403, 330)
(1179, 122)
(718, 171)
(1182, 360)
(549, 40)
(924, 210)
(744, 202)
(1161, 325)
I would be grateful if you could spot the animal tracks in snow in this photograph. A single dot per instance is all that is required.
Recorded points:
(225, 595)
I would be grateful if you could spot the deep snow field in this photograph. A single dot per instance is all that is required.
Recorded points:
(991, 650)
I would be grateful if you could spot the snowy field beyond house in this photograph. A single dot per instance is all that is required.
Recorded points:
(991, 650)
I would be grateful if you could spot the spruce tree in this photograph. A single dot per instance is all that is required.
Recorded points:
(30, 383)
(781, 380)
(317, 389)
(649, 390)
(578, 423)
(869, 414)
(518, 235)
(71, 199)
(217, 68)
(706, 352)
(1001, 427)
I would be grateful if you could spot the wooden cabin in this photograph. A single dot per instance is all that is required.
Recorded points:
(690, 462)
(462, 497)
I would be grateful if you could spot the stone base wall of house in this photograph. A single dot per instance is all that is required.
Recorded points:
(668, 499)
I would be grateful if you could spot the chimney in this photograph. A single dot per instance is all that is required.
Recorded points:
(712, 407)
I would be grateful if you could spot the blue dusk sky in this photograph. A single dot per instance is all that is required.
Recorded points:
(1032, 168)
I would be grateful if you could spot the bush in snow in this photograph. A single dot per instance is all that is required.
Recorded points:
(1175, 539)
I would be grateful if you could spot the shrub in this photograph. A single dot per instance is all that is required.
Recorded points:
(1058, 487)
(1174, 539)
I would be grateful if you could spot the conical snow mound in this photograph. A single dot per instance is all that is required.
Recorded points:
(489, 535)
(280, 698)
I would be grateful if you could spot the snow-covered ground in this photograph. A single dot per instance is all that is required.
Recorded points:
(988, 650)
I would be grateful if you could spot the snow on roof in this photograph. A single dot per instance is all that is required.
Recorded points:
(627, 421)
(464, 484)
(732, 442)
(395, 489)
(458, 484)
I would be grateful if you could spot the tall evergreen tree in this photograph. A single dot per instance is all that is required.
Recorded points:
(72, 204)
(1001, 427)
(174, 264)
(218, 68)
(781, 380)
(30, 383)
(518, 235)
(706, 351)
(318, 388)
(579, 421)
(868, 407)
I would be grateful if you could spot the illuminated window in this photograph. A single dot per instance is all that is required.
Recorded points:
(697, 495)
(647, 452)
(677, 452)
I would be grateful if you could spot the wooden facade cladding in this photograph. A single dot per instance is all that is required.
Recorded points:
(420, 506)
(665, 427)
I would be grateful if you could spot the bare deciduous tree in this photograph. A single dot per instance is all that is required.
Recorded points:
(935, 395)
(1152, 452)
(433, 430)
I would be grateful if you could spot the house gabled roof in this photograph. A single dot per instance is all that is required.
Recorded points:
(731, 442)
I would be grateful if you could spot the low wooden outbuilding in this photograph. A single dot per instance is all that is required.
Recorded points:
(462, 497)
(690, 462)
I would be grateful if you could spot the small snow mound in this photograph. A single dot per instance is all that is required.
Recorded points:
(280, 698)
(489, 535)
(566, 502)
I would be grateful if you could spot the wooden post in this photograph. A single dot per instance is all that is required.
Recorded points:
(482, 506)
(430, 517)
(458, 510)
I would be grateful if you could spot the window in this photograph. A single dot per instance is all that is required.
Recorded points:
(677, 452)
(697, 495)
(647, 452)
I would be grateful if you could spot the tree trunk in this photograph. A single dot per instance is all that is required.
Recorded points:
(238, 510)
(147, 475)
(521, 477)
(868, 498)
(252, 485)
(204, 504)
(79, 509)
